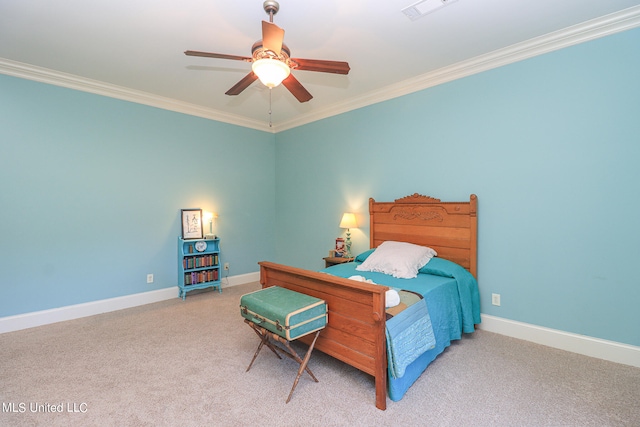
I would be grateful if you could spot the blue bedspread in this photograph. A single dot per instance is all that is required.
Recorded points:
(467, 289)
(453, 302)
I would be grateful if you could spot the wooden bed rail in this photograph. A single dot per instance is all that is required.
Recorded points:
(355, 332)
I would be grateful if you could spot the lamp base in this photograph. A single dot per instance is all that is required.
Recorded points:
(210, 236)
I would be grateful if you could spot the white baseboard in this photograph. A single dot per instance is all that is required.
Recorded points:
(581, 344)
(240, 279)
(54, 315)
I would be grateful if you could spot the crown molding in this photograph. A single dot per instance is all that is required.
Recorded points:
(609, 24)
(586, 31)
(57, 78)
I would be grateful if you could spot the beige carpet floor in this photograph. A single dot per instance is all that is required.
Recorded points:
(182, 363)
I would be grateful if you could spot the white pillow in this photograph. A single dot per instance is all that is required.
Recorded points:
(398, 259)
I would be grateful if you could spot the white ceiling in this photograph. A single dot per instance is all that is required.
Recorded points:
(133, 49)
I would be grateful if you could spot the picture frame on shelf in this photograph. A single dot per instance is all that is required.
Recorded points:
(191, 223)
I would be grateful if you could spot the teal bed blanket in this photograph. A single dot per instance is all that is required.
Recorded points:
(467, 289)
(451, 299)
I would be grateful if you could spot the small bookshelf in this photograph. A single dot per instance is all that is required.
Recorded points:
(198, 265)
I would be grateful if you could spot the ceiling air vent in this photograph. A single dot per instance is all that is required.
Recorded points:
(425, 7)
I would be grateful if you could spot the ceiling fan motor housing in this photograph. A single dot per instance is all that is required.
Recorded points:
(271, 7)
(259, 52)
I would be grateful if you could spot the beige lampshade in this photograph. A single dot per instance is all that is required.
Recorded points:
(348, 220)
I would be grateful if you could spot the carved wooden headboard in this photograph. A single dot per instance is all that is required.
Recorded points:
(451, 228)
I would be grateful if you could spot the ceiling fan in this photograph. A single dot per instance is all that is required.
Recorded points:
(272, 63)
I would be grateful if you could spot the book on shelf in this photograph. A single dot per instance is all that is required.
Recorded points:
(200, 261)
(203, 276)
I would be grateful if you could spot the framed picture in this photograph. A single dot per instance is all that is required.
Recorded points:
(191, 223)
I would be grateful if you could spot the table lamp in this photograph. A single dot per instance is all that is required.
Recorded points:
(348, 222)
(210, 216)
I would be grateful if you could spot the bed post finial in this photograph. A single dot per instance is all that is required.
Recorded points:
(473, 208)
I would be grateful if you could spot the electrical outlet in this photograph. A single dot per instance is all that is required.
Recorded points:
(226, 266)
(495, 299)
(149, 278)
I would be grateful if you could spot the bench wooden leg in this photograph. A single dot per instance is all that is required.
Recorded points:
(265, 335)
(264, 339)
(303, 366)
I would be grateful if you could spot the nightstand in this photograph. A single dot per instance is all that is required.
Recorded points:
(333, 260)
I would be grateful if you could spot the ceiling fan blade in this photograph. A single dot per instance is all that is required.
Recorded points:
(272, 37)
(296, 89)
(242, 84)
(218, 55)
(336, 67)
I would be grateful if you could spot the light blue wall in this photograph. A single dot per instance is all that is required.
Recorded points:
(550, 145)
(91, 190)
(91, 187)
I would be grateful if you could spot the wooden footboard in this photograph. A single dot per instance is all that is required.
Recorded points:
(355, 333)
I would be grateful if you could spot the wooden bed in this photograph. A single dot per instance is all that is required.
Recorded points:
(355, 333)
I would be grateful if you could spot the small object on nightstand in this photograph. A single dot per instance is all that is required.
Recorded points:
(340, 251)
(330, 260)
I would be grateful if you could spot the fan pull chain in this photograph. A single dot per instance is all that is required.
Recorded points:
(270, 124)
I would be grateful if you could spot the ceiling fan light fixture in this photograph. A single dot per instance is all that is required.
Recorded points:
(271, 72)
(272, 63)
